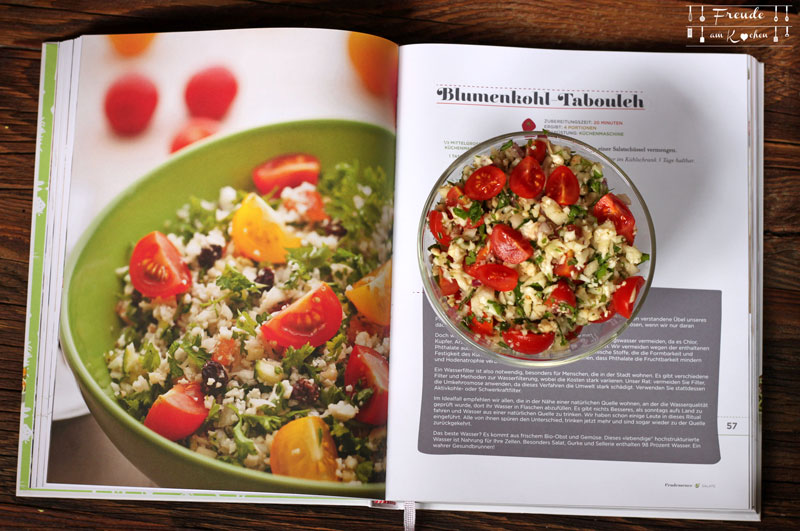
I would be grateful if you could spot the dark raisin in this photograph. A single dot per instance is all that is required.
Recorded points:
(266, 277)
(215, 372)
(305, 391)
(334, 228)
(209, 255)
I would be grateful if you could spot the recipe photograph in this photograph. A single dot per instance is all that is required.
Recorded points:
(228, 279)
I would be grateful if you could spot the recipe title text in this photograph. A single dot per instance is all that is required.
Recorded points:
(540, 98)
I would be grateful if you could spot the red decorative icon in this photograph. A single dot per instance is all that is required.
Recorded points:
(528, 125)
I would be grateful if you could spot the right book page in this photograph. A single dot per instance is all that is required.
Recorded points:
(658, 421)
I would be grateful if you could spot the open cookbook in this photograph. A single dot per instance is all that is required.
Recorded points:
(226, 300)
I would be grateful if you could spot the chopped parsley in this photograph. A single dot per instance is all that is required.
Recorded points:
(503, 198)
(475, 212)
(234, 281)
(246, 323)
(198, 219)
(304, 260)
(497, 307)
(296, 357)
(191, 346)
(335, 346)
(602, 271)
(364, 471)
(361, 396)
(576, 211)
(471, 258)
(138, 404)
(151, 360)
(358, 217)
(596, 185)
(244, 444)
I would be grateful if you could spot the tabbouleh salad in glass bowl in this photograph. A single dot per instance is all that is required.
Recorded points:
(530, 246)
(256, 327)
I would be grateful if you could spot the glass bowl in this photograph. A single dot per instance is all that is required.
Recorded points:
(594, 336)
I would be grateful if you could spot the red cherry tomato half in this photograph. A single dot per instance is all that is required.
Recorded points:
(129, 104)
(447, 287)
(607, 314)
(483, 254)
(437, 228)
(562, 294)
(455, 196)
(309, 204)
(483, 327)
(177, 413)
(527, 178)
(625, 296)
(481, 258)
(485, 183)
(611, 207)
(195, 130)
(286, 171)
(156, 267)
(360, 324)
(564, 269)
(367, 368)
(537, 149)
(312, 319)
(528, 343)
(471, 225)
(571, 336)
(509, 245)
(210, 92)
(562, 186)
(472, 269)
(497, 276)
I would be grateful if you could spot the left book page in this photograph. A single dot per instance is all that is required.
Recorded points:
(225, 217)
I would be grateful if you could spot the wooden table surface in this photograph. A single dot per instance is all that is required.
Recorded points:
(599, 25)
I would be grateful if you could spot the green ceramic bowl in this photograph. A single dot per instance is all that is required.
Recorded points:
(89, 325)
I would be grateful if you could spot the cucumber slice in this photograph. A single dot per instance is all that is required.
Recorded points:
(131, 364)
(269, 372)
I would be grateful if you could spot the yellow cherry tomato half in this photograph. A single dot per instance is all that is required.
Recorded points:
(131, 44)
(257, 233)
(372, 295)
(304, 449)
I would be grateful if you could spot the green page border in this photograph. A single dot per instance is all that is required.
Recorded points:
(41, 184)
